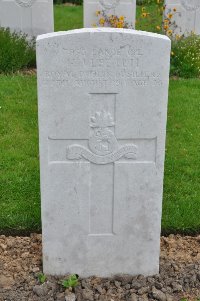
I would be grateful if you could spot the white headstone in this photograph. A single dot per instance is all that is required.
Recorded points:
(126, 8)
(102, 121)
(186, 17)
(32, 17)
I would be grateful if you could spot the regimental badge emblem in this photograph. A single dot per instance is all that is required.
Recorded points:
(103, 147)
(103, 141)
(111, 4)
(25, 3)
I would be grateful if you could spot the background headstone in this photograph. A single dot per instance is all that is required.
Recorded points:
(186, 17)
(32, 17)
(102, 117)
(126, 8)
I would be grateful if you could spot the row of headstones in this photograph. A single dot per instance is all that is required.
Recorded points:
(35, 17)
(186, 17)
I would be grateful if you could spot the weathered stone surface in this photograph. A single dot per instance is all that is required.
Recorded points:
(102, 114)
(126, 8)
(158, 295)
(40, 290)
(32, 17)
(70, 297)
(186, 17)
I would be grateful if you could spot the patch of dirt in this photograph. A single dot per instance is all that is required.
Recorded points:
(21, 262)
(32, 71)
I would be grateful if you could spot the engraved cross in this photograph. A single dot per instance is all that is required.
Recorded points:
(102, 151)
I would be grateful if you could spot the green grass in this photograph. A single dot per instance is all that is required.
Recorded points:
(19, 166)
(19, 185)
(68, 17)
(181, 210)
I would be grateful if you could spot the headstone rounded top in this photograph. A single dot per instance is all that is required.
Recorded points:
(113, 31)
(25, 3)
(111, 4)
(191, 5)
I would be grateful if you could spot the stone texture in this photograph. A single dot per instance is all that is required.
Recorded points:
(40, 290)
(32, 17)
(102, 97)
(158, 295)
(187, 16)
(127, 8)
(70, 297)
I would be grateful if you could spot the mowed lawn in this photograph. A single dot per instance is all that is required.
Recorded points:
(19, 158)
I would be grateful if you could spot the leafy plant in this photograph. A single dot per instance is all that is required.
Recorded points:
(16, 52)
(42, 278)
(71, 281)
(185, 58)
